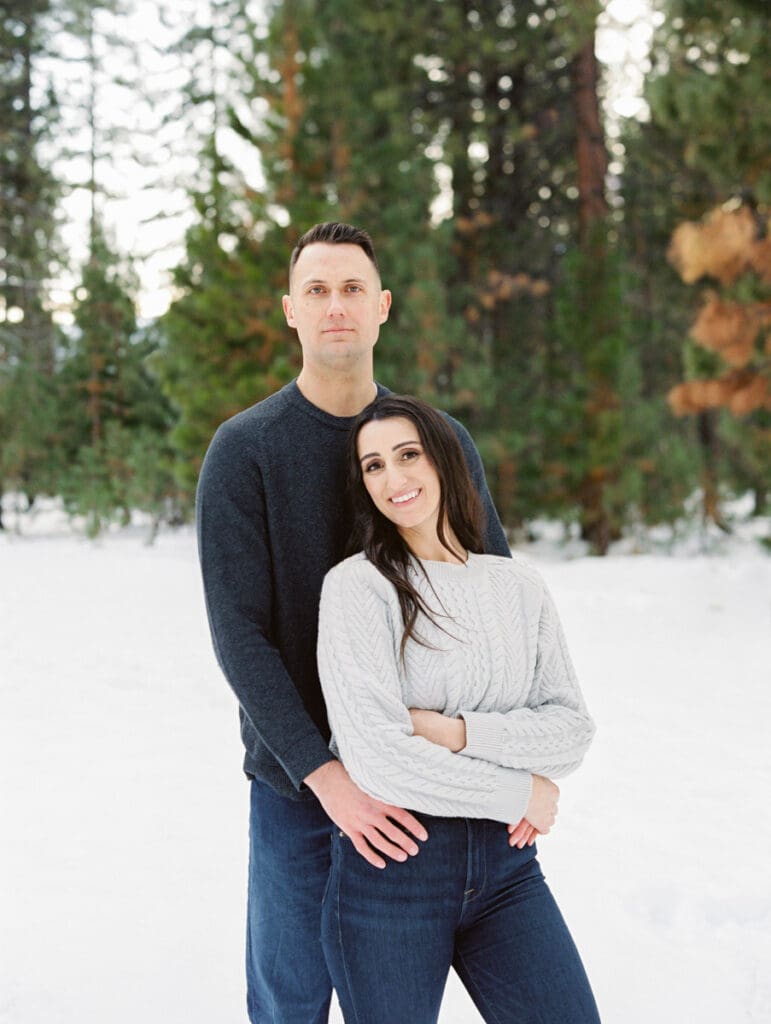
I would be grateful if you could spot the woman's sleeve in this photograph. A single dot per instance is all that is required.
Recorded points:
(371, 726)
(552, 732)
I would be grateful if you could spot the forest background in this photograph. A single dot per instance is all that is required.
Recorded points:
(590, 295)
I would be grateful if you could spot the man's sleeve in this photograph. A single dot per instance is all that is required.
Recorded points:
(495, 538)
(238, 586)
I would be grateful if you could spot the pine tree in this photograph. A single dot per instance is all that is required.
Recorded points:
(28, 195)
(112, 418)
(114, 421)
(705, 143)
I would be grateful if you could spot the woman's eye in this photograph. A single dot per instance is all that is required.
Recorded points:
(410, 455)
(371, 466)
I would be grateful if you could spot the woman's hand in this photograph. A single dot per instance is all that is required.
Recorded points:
(540, 813)
(541, 810)
(441, 729)
(522, 834)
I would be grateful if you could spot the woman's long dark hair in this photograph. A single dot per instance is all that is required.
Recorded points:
(460, 507)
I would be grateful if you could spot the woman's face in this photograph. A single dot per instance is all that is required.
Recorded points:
(400, 479)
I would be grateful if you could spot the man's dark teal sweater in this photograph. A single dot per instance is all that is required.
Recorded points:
(272, 520)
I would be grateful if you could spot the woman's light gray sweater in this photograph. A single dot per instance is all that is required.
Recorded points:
(502, 665)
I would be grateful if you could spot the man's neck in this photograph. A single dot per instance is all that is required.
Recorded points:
(337, 395)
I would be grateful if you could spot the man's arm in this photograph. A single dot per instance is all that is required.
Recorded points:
(236, 568)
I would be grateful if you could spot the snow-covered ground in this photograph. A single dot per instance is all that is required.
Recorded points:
(123, 811)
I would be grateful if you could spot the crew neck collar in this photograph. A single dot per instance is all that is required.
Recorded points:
(447, 570)
(298, 399)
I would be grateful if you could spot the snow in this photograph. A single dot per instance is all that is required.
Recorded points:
(124, 811)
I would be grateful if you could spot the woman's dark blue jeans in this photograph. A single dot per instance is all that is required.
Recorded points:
(467, 900)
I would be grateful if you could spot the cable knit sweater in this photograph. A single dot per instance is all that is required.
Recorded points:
(502, 665)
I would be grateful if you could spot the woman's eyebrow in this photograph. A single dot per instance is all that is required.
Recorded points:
(396, 447)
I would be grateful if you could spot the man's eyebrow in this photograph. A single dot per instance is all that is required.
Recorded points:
(323, 280)
(396, 447)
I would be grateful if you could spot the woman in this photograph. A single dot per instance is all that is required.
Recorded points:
(450, 692)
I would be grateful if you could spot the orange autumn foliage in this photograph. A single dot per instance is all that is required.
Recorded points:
(727, 243)
(742, 392)
(721, 246)
(730, 328)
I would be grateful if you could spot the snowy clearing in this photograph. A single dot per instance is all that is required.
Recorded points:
(124, 811)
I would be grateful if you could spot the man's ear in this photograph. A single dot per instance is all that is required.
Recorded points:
(385, 305)
(286, 302)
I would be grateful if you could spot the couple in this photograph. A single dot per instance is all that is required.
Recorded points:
(447, 686)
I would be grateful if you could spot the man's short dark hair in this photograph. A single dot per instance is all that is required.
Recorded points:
(335, 233)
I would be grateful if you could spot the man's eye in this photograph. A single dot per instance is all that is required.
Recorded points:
(315, 290)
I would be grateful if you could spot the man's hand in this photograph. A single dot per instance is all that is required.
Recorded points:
(366, 821)
(431, 725)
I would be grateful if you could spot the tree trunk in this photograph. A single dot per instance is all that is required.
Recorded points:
(592, 162)
(708, 441)
(591, 156)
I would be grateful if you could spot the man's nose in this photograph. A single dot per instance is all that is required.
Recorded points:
(335, 307)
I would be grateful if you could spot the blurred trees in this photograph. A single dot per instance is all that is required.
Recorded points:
(531, 293)
(114, 420)
(28, 247)
(705, 145)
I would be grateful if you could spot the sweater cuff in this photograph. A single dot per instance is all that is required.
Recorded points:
(484, 735)
(511, 796)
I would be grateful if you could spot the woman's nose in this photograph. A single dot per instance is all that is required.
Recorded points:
(396, 478)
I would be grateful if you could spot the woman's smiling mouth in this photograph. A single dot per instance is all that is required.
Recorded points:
(404, 499)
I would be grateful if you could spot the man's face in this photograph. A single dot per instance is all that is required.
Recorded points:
(336, 305)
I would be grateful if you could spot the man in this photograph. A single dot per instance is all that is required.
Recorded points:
(272, 521)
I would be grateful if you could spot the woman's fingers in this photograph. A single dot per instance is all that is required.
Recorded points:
(522, 834)
(516, 832)
(542, 808)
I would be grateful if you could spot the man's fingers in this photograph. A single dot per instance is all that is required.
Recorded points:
(398, 836)
(362, 846)
(406, 820)
(375, 838)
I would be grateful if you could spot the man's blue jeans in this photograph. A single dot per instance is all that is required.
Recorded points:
(289, 852)
(467, 900)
